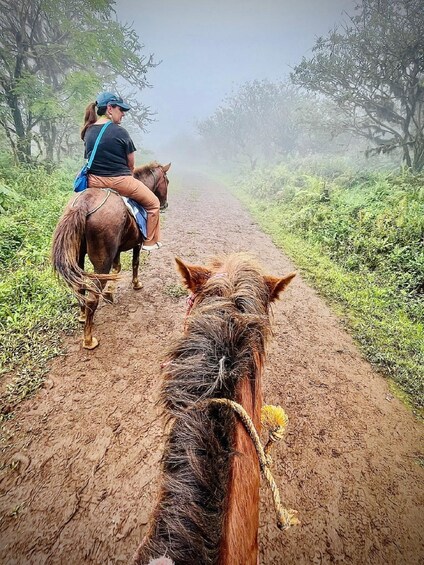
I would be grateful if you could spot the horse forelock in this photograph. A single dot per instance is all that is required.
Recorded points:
(238, 280)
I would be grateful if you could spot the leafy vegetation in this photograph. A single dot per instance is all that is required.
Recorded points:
(55, 57)
(360, 239)
(175, 290)
(372, 68)
(262, 121)
(34, 309)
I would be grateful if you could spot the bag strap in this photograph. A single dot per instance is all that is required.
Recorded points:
(90, 162)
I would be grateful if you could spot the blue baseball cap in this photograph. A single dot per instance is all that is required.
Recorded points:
(105, 98)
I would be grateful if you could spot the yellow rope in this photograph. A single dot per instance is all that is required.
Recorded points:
(285, 518)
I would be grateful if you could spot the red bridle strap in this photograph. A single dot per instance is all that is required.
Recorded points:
(191, 299)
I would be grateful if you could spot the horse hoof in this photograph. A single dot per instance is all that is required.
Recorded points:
(81, 319)
(94, 343)
(137, 286)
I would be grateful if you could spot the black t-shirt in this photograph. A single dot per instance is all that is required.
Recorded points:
(115, 145)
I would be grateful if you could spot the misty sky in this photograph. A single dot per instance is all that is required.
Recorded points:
(208, 48)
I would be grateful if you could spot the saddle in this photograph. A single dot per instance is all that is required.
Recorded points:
(135, 209)
(139, 213)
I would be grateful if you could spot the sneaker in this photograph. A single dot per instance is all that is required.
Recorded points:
(157, 245)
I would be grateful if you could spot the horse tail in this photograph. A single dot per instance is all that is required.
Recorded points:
(66, 247)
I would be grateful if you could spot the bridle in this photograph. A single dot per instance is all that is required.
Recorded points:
(156, 182)
(190, 300)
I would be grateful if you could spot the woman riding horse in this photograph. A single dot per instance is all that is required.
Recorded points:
(113, 165)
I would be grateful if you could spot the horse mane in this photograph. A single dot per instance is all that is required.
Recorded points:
(223, 344)
(225, 332)
(146, 168)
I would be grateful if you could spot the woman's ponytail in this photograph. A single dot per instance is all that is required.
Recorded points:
(90, 118)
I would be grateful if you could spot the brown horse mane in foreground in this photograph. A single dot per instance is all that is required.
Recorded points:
(208, 508)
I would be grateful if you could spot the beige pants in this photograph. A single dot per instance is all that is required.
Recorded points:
(135, 189)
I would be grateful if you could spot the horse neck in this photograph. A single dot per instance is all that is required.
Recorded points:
(240, 534)
(237, 542)
(147, 179)
(210, 465)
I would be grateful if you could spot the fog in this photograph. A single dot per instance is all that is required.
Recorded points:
(209, 48)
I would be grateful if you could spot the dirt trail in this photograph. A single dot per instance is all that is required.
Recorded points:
(82, 466)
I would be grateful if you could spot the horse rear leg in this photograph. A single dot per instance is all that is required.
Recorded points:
(92, 301)
(135, 265)
(102, 265)
(111, 285)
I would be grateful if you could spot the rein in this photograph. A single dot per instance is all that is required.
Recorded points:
(190, 301)
(285, 518)
(154, 179)
(157, 184)
(109, 190)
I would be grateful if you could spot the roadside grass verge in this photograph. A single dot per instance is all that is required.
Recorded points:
(386, 320)
(34, 309)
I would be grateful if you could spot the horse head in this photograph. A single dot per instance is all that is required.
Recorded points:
(236, 279)
(154, 176)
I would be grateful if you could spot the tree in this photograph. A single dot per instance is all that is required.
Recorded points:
(373, 69)
(258, 121)
(265, 121)
(56, 55)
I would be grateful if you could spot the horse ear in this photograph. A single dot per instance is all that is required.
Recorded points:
(194, 277)
(276, 285)
(165, 168)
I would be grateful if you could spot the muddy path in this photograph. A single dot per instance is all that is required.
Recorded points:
(80, 471)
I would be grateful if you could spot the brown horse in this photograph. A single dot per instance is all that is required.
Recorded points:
(97, 223)
(208, 508)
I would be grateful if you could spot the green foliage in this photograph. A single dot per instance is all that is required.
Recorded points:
(56, 55)
(7, 196)
(175, 290)
(34, 309)
(372, 68)
(360, 238)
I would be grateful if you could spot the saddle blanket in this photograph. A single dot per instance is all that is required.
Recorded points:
(139, 214)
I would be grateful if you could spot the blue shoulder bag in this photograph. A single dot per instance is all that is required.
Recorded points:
(81, 180)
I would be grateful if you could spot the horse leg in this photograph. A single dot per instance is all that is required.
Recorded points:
(111, 285)
(89, 341)
(81, 291)
(135, 265)
(102, 265)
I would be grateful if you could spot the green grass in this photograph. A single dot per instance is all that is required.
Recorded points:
(34, 309)
(378, 300)
(175, 290)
